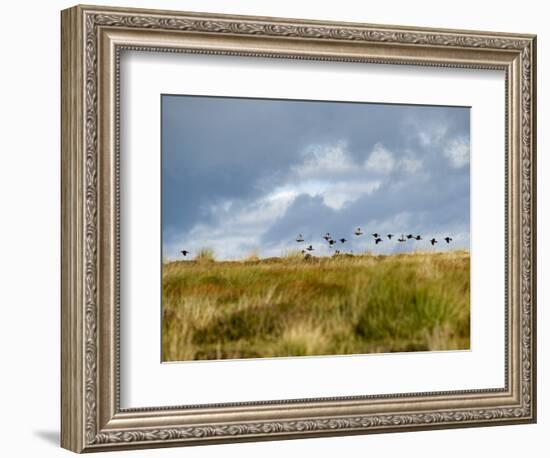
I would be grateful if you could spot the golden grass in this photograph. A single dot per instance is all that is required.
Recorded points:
(291, 306)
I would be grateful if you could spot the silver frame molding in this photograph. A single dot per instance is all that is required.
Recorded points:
(92, 39)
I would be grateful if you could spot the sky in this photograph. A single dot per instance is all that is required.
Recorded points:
(244, 176)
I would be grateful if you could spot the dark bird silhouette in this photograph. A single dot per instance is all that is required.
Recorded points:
(390, 236)
(358, 231)
(409, 236)
(377, 240)
(448, 239)
(310, 248)
(300, 238)
(303, 251)
(184, 252)
(418, 237)
(376, 235)
(327, 236)
(433, 241)
(402, 239)
(343, 240)
(331, 242)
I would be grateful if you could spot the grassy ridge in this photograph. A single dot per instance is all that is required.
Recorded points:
(294, 307)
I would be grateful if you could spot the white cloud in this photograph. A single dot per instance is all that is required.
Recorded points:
(329, 171)
(431, 135)
(324, 159)
(437, 135)
(342, 193)
(238, 226)
(457, 151)
(380, 160)
(383, 161)
(410, 164)
(335, 194)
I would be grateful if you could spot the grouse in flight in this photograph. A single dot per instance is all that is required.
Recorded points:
(343, 240)
(300, 238)
(433, 241)
(377, 240)
(184, 252)
(390, 236)
(358, 231)
(310, 248)
(448, 239)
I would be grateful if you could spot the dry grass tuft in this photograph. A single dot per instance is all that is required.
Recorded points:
(205, 255)
(254, 256)
(291, 306)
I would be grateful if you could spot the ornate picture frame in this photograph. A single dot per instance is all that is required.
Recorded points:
(92, 41)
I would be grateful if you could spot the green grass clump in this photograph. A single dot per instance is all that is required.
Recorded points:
(291, 306)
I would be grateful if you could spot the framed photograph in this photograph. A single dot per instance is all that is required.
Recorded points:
(277, 228)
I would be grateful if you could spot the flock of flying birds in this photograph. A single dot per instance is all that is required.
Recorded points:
(332, 242)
